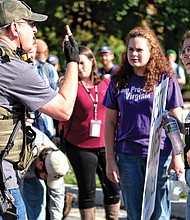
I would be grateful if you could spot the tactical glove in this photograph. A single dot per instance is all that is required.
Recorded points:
(71, 50)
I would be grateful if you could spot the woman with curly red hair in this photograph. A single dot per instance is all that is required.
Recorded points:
(129, 102)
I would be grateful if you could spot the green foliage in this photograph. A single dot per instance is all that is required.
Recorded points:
(95, 22)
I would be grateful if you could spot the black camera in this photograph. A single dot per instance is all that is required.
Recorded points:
(7, 209)
(3, 204)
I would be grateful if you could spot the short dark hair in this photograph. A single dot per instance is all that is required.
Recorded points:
(42, 157)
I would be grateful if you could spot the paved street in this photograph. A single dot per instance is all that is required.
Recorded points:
(178, 207)
(74, 214)
(100, 214)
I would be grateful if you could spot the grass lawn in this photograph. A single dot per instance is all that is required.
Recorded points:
(70, 178)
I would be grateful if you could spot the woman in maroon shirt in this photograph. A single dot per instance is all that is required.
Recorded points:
(84, 140)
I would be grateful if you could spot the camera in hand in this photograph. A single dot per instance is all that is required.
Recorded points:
(7, 209)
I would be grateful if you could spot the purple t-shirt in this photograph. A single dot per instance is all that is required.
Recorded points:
(135, 109)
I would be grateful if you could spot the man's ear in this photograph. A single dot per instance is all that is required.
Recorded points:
(14, 29)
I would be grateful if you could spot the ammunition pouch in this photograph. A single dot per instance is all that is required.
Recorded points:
(17, 142)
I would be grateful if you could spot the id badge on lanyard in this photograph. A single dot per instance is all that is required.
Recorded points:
(95, 124)
(95, 127)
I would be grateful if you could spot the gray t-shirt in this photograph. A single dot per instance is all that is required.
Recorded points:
(21, 85)
(9, 175)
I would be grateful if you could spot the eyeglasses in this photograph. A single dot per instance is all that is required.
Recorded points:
(184, 52)
(32, 24)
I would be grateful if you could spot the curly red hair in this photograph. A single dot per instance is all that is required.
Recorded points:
(156, 66)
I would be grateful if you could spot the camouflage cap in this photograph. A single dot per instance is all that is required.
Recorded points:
(14, 10)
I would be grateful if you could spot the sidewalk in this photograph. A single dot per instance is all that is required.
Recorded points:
(74, 214)
(177, 212)
(100, 214)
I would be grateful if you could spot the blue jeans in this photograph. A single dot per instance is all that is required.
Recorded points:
(132, 176)
(19, 203)
(187, 178)
(34, 194)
